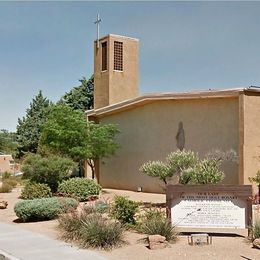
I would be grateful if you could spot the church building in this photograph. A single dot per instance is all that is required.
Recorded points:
(153, 125)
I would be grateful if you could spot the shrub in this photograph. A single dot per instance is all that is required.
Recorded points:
(42, 209)
(91, 230)
(155, 223)
(36, 191)
(50, 170)
(79, 188)
(11, 181)
(256, 230)
(124, 210)
(5, 188)
(6, 175)
(100, 232)
(101, 207)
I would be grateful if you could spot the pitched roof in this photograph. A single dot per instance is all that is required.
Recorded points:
(149, 98)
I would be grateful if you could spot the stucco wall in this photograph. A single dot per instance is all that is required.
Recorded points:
(6, 164)
(148, 133)
(115, 86)
(251, 144)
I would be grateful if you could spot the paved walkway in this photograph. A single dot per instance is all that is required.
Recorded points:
(26, 245)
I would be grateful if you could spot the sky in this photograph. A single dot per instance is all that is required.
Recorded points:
(184, 46)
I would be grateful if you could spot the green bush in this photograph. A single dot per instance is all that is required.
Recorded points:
(124, 210)
(155, 223)
(43, 209)
(50, 170)
(6, 175)
(6, 188)
(91, 230)
(36, 191)
(79, 188)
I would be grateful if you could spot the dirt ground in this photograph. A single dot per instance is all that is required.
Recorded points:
(222, 247)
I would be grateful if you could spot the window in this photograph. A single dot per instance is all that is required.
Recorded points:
(118, 56)
(104, 56)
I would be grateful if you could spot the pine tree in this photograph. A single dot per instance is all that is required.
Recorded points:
(29, 127)
(81, 97)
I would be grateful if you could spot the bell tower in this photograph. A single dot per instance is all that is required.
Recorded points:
(116, 70)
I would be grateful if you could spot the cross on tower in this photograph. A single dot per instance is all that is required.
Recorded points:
(97, 22)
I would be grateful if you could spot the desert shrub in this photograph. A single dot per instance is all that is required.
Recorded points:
(80, 188)
(154, 222)
(49, 170)
(10, 181)
(36, 191)
(6, 175)
(91, 230)
(101, 207)
(124, 210)
(256, 230)
(100, 232)
(5, 188)
(42, 209)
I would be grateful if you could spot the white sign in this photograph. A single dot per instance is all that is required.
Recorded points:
(208, 210)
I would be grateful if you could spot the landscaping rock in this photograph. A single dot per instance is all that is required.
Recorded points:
(157, 242)
(3, 204)
(256, 243)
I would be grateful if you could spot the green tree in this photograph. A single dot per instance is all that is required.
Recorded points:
(29, 127)
(49, 170)
(100, 142)
(176, 163)
(7, 142)
(187, 166)
(206, 171)
(81, 97)
(67, 132)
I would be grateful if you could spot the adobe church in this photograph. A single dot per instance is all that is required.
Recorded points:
(150, 124)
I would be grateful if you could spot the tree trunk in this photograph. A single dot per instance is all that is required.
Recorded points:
(92, 166)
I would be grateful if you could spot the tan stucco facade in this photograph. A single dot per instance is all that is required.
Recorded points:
(113, 86)
(149, 133)
(212, 120)
(249, 136)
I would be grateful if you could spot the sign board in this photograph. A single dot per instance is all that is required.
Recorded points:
(211, 208)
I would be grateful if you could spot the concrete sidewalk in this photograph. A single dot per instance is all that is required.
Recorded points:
(26, 245)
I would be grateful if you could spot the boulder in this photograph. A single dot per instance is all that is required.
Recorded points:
(256, 243)
(157, 242)
(3, 204)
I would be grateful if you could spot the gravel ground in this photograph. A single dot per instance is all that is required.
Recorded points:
(222, 247)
